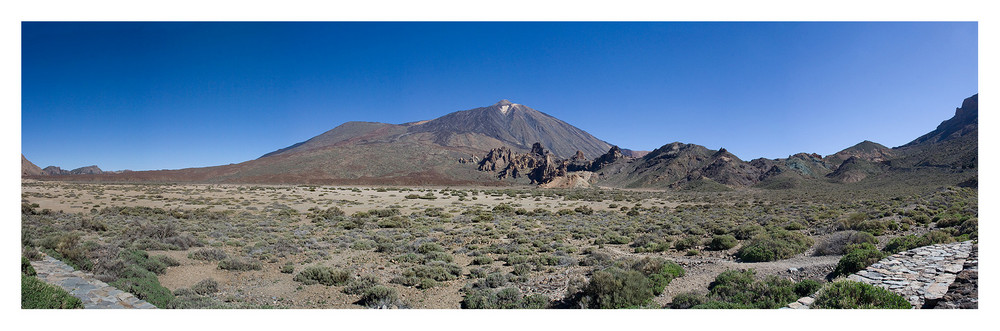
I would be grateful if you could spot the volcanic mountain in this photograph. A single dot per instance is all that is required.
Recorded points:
(424, 152)
(502, 124)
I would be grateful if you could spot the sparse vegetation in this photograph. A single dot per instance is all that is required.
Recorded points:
(847, 294)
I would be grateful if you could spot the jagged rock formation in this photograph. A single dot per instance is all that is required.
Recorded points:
(542, 167)
(676, 165)
(965, 122)
(57, 171)
(538, 165)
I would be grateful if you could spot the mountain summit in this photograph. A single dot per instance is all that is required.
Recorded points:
(516, 125)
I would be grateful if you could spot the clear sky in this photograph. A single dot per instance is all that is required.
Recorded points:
(146, 96)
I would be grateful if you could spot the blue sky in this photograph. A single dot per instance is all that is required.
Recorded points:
(146, 96)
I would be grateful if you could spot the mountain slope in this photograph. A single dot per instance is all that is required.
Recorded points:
(29, 169)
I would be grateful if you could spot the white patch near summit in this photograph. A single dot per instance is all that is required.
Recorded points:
(504, 108)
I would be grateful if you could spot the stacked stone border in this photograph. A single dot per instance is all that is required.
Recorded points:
(921, 275)
(94, 293)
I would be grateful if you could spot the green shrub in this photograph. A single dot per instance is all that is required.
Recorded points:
(614, 288)
(847, 294)
(742, 288)
(747, 231)
(36, 294)
(858, 258)
(205, 286)
(323, 275)
(208, 254)
(429, 247)
(722, 242)
(776, 244)
(806, 287)
(904, 243)
(687, 243)
(288, 268)
(26, 267)
(482, 260)
(507, 298)
(723, 305)
(436, 270)
(379, 296)
(836, 244)
(687, 300)
(144, 285)
(360, 285)
(937, 237)
(237, 264)
(503, 209)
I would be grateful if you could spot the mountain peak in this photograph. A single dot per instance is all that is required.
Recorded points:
(504, 106)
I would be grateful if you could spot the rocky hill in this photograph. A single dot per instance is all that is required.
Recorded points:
(57, 171)
(29, 169)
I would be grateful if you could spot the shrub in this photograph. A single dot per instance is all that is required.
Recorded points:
(507, 298)
(937, 237)
(747, 231)
(615, 288)
(144, 285)
(379, 296)
(777, 244)
(208, 254)
(837, 243)
(903, 243)
(722, 305)
(847, 294)
(238, 264)
(482, 260)
(503, 209)
(687, 300)
(742, 288)
(36, 294)
(429, 247)
(26, 267)
(323, 275)
(806, 287)
(722, 242)
(288, 268)
(857, 258)
(205, 286)
(686, 243)
(436, 270)
(360, 285)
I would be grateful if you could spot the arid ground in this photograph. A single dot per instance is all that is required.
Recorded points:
(258, 246)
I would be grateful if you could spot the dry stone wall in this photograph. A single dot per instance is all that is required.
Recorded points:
(94, 293)
(925, 276)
